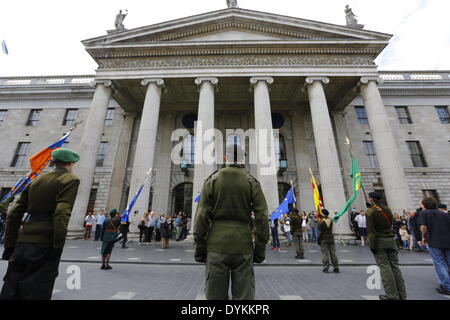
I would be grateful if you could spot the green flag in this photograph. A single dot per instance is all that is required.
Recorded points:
(355, 173)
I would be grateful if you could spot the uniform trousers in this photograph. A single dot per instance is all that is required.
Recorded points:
(328, 249)
(31, 274)
(223, 267)
(386, 256)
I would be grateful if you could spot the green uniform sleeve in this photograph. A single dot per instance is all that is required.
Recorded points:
(14, 218)
(259, 206)
(64, 204)
(202, 219)
(371, 234)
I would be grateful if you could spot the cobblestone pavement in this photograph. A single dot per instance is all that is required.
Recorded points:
(183, 253)
(144, 272)
(186, 282)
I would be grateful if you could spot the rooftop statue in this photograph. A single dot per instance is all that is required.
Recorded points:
(351, 18)
(118, 23)
(232, 3)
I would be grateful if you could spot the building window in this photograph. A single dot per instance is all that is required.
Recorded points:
(20, 155)
(443, 114)
(416, 153)
(109, 116)
(2, 116)
(372, 160)
(361, 115)
(102, 153)
(91, 202)
(188, 151)
(403, 115)
(280, 148)
(34, 116)
(70, 117)
(234, 140)
(431, 194)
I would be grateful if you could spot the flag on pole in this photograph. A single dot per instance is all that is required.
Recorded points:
(284, 205)
(126, 213)
(318, 204)
(38, 162)
(4, 48)
(197, 199)
(355, 173)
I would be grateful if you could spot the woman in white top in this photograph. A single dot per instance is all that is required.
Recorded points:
(88, 222)
(361, 219)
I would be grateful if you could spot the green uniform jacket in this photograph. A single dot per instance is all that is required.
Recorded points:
(5, 204)
(222, 219)
(51, 194)
(379, 225)
(325, 232)
(296, 223)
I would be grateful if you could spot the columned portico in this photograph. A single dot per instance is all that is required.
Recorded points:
(330, 171)
(205, 164)
(394, 181)
(145, 148)
(265, 148)
(90, 141)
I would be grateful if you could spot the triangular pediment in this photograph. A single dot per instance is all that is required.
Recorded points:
(231, 25)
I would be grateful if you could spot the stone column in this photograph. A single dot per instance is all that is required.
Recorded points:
(120, 162)
(163, 167)
(302, 160)
(266, 161)
(394, 181)
(205, 121)
(145, 149)
(330, 171)
(90, 141)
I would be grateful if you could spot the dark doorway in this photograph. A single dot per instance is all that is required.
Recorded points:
(182, 199)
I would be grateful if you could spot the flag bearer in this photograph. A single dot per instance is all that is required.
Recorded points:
(222, 235)
(326, 243)
(297, 234)
(34, 247)
(382, 244)
(110, 233)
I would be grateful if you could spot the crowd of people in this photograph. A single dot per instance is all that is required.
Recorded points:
(159, 228)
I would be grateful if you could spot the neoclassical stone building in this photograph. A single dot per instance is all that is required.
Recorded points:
(235, 69)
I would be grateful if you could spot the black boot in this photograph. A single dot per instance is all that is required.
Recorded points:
(336, 270)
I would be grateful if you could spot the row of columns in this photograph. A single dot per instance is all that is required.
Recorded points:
(396, 188)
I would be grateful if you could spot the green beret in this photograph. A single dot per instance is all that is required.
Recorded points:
(113, 212)
(65, 155)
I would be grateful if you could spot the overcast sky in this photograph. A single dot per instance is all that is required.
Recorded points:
(43, 37)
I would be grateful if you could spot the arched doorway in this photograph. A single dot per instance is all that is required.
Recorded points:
(182, 199)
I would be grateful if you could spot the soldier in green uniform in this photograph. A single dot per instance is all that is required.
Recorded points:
(222, 234)
(326, 242)
(382, 244)
(297, 234)
(34, 246)
(3, 211)
(110, 233)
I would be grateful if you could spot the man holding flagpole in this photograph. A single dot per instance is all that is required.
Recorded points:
(34, 246)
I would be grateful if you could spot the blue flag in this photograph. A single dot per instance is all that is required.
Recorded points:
(130, 206)
(198, 198)
(284, 205)
(126, 213)
(4, 48)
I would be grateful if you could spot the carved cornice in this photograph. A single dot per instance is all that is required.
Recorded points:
(242, 60)
(45, 97)
(412, 92)
(155, 52)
